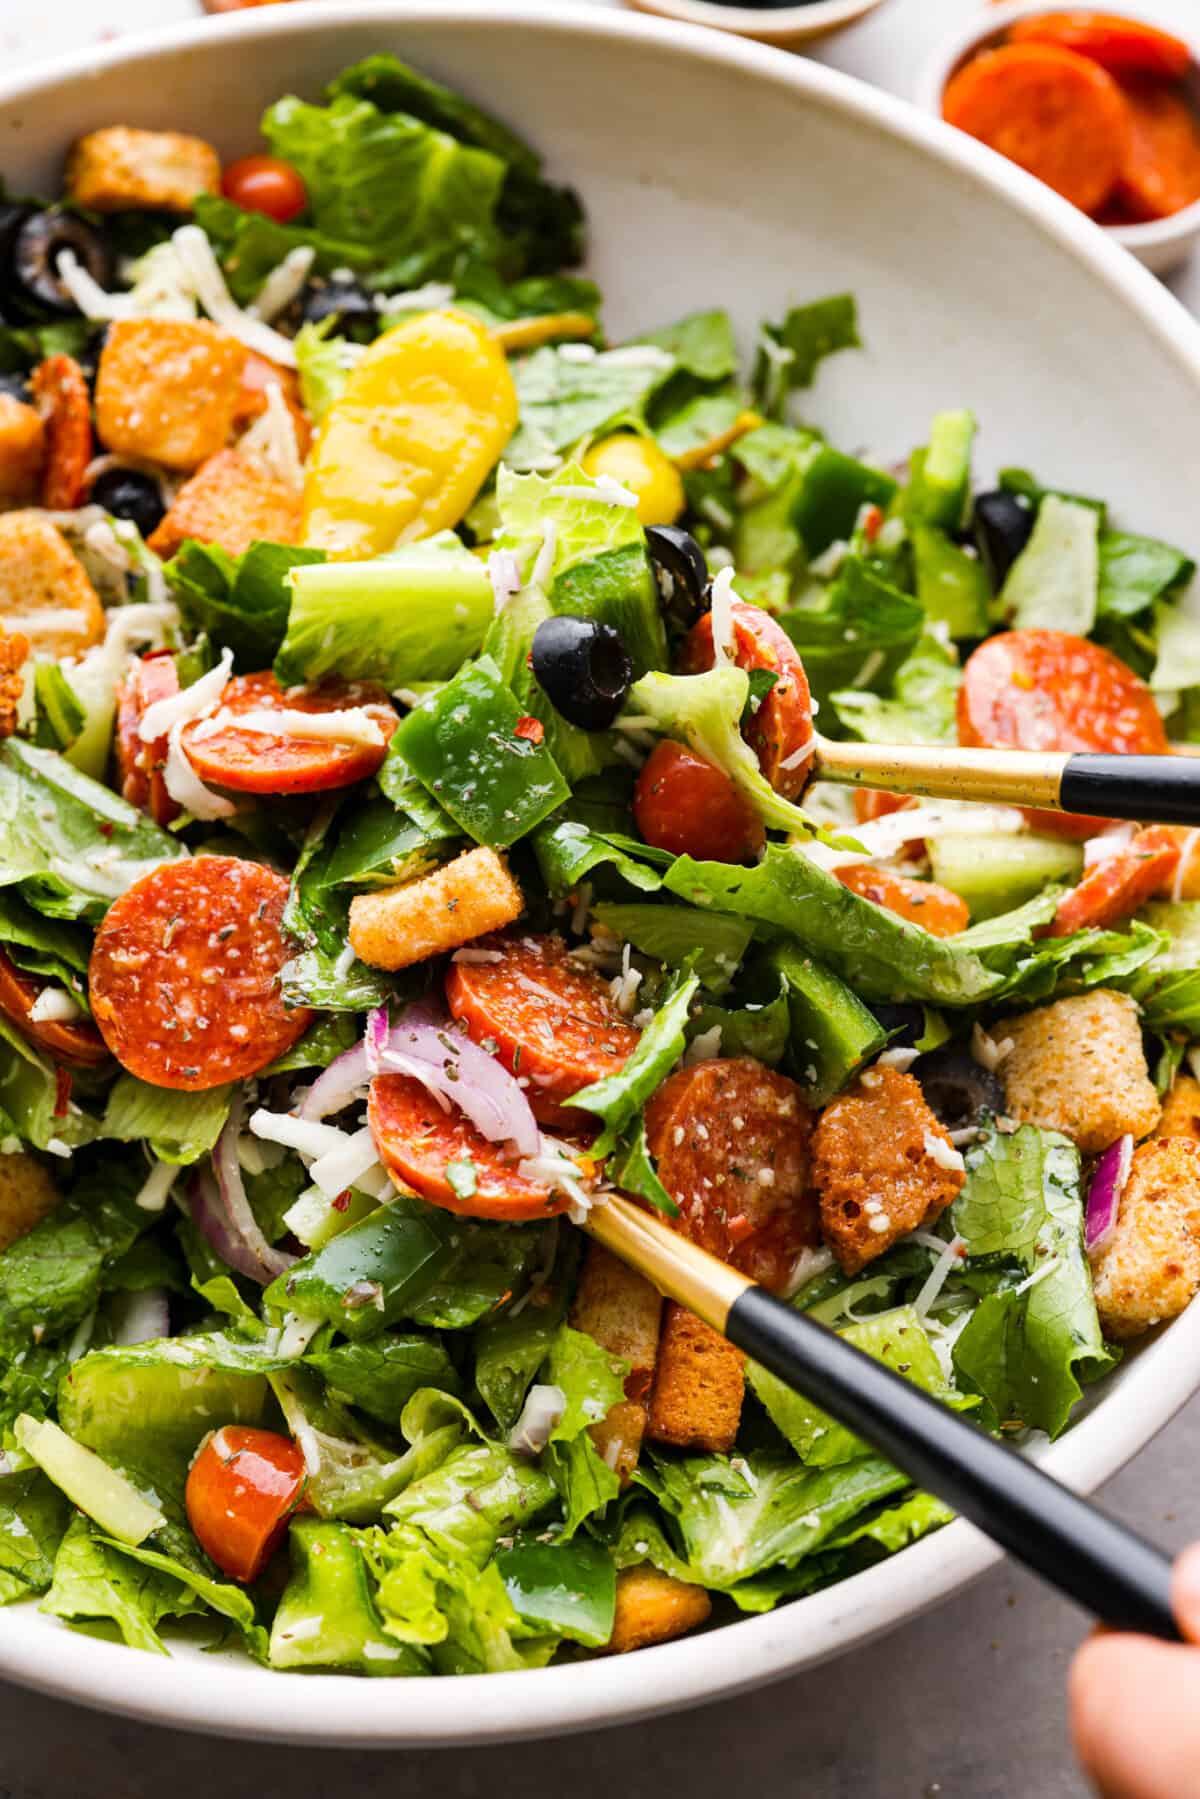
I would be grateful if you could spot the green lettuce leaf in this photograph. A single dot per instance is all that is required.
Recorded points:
(70, 843)
(179, 1127)
(859, 636)
(564, 398)
(592, 1381)
(617, 1099)
(738, 1517)
(93, 1581)
(249, 245)
(410, 616)
(33, 1520)
(791, 352)
(1034, 1336)
(714, 944)
(921, 707)
(381, 1376)
(408, 194)
(881, 956)
(1136, 571)
(240, 601)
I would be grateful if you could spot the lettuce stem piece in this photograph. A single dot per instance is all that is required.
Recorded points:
(113, 1502)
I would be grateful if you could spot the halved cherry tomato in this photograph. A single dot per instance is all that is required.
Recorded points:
(1055, 113)
(781, 730)
(1116, 888)
(1161, 172)
(77, 1041)
(60, 393)
(1047, 690)
(286, 761)
(140, 765)
(267, 185)
(685, 804)
(934, 908)
(553, 1024)
(422, 1145)
(1123, 46)
(241, 1490)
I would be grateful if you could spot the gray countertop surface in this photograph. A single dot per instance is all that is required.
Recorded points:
(968, 1700)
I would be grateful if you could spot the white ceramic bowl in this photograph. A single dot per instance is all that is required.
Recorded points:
(716, 173)
(1162, 244)
(788, 26)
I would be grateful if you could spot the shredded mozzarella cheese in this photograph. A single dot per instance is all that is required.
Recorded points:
(185, 786)
(307, 1136)
(943, 1153)
(203, 274)
(194, 701)
(723, 597)
(283, 284)
(354, 725)
(343, 1166)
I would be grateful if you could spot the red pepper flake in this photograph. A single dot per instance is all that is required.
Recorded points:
(872, 522)
(531, 729)
(739, 1229)
(342, 1202)
(106, 830)
(62, 1090)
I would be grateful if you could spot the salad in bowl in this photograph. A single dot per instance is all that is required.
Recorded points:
(407, 840)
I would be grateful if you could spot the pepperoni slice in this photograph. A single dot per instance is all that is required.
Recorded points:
(1046, 690)
(76, 1041)
(782, 727)
(184, 974)
(731, 1140)
(418, 1142)
(553, 1023)
(286, 761)
(60, 392)
(934, 908)
(140, 765)
(1119, 886)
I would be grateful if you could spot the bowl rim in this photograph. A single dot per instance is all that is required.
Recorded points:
(235, 1698)
(972, 34)
(806, 19)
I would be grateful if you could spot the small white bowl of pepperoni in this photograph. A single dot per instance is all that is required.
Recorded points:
(1103, 107)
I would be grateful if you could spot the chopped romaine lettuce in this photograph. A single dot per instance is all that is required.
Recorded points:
(409, 616)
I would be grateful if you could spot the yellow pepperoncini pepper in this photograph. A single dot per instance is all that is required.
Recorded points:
(412, 438)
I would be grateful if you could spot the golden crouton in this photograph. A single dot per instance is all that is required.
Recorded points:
(122, 169)
(13, 652)
(230, 501)
(1078, 1066)
(883, 1166)
(470, 896)
(622, 1311)
(696, 1401)
(27, 1195)
(43, 588)
(1181, 1110)
(167, 390)
(654, 1608)
(1149, 1268)
(22, 450)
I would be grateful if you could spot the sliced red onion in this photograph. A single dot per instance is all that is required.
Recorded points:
(1104, 1192)
(141, 1317)
(222, 1211)
(448, 1063)
(339, 1085)
(378, 1029)
(540, 1416)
